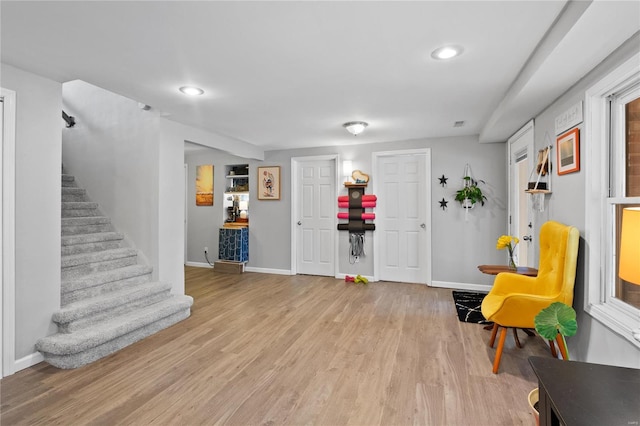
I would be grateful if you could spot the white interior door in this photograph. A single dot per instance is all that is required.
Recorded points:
(315, 218)
(403, 225)
(521, 162)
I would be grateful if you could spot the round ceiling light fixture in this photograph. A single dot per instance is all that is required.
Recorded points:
(191, 90)
(447, 52)
(355, 127)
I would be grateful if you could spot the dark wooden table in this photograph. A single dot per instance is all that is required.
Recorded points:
(580, 393)
(496, 269)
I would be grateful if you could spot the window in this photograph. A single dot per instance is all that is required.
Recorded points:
(612, 142)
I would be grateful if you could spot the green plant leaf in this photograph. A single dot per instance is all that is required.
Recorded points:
(554, 319)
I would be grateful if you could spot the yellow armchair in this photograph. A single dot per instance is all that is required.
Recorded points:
(515, 300)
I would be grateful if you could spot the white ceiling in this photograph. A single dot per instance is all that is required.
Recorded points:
(288, 74)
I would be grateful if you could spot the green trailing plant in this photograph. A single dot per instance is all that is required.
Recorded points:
(556, 322)
(471, 191)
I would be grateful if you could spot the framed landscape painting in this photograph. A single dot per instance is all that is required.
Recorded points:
(568, 149)
(269, 183)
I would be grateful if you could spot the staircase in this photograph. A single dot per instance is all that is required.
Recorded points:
(108, 299)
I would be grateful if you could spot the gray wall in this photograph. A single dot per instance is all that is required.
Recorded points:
(458, 246)
(37, 251)
(593, 342)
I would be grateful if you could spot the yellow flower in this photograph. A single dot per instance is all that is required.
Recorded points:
(505, 242)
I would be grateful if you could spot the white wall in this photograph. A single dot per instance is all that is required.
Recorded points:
(113, 150)
(38, 147)
(594, 342)
(458, 246)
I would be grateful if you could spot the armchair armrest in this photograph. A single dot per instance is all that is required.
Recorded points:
(509, 282)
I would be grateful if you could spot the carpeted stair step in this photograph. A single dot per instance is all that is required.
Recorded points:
(68, 181)
(73, 194)
(77, 265)
(87, 243)
(103, 282)
(83, 313)
(80, 209)
(86, 225)
(84, 346)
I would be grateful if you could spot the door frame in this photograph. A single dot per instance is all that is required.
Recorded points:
(529, 127)
(375, 156)
(295, 187)
(7, 256)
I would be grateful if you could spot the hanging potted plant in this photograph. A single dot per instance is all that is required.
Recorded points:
(470, 194)
(554, 323)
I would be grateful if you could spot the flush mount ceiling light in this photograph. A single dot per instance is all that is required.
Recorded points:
(447, 52)
(191, 90)
(355, 127)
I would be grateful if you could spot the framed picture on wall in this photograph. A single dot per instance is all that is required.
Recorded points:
(568, 149)
(204, 185)
(269, 183)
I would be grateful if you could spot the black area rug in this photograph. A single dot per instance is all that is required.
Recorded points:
(468, 306)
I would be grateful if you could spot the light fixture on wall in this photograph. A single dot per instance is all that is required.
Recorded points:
(347, 170)
(191, 90)
(355, 127)
(629, 269)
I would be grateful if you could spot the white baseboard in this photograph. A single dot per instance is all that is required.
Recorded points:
(462, 286)
(198, 264)
(28, 361)
(267, 270)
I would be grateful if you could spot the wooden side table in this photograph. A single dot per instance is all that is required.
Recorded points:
(496, 269)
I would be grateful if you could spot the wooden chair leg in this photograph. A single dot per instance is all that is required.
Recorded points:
(494, 331)
(553, 349)
(515, 337)
(563, 348)
(496, 361)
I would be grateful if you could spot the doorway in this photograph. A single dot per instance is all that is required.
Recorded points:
(402, 241)
(314, 204)
(520, 218)
(7, 219)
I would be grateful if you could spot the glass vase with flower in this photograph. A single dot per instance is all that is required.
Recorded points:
(509, 242)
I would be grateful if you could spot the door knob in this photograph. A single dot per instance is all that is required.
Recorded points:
(299, 223)
(527, 238)
(422, 225)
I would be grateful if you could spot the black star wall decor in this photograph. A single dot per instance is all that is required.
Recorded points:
(443, 181)
(443, 204)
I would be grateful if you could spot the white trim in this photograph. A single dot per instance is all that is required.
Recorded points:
(462, 286)
(375, 156)
(268, 270)
(597, 236)
(29, 361)
(294, 205)
(198, 264)
(8, 232)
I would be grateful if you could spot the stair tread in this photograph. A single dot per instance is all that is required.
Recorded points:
(82, 258)
(95, 237)
(85, 205)
(68, 178)
(73, 190)
(107, 276)
(96, 304)
(107, 330)
(79, 221)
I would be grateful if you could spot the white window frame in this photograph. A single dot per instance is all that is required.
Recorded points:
(600, 302)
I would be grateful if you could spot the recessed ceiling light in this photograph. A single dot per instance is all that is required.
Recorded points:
(447, 52)
(191, 90)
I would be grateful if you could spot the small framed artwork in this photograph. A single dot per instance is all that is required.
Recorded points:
(568, 149)
(204, 185)
(269, 183)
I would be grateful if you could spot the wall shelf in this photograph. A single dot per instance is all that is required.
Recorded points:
(537, 191)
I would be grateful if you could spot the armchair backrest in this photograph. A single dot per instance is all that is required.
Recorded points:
(558, 259)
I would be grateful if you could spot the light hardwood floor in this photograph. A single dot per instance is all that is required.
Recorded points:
(275, 350)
